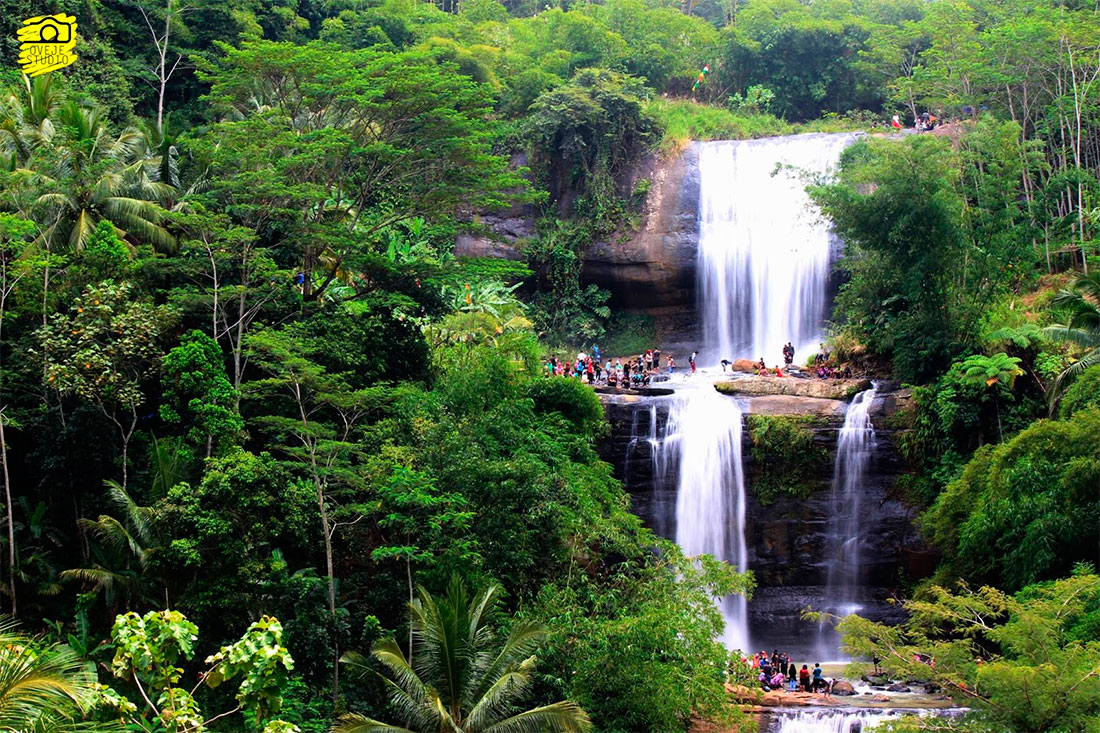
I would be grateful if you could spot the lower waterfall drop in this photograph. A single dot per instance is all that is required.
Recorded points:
(702, 444)
(831, 721)
(855, 445)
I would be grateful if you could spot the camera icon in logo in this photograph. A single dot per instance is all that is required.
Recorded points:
(46, 43)
(48, 29)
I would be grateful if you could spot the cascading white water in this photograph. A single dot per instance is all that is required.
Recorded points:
(763, 267)
(764, 250)
(831, 721)
(855, 445)
(702, 444)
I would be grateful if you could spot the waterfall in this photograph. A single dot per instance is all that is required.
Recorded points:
(833, 720)
(764, 251)
(764, 257)
(855, 445)
(701, 451)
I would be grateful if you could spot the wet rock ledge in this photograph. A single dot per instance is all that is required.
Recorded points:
(829, 389)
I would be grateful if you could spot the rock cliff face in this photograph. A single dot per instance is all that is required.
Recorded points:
(787, 537)
(499, 234)
(652, 270)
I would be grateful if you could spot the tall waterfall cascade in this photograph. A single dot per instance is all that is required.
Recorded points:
(700, 450)
(763, 266)
(855, 446)
(764, 252)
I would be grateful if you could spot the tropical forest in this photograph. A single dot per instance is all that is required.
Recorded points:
(502, 366)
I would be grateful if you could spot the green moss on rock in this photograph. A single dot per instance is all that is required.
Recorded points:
(786, 461)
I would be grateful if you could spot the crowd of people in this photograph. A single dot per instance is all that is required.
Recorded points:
(639, 371)
(924, 122)
(779, 672)
(819, 365)
(636, 372)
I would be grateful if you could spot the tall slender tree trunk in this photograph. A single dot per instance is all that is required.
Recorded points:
(10, 508)
(409, 577)
(238, 341)
(164, 74)
(331, 579)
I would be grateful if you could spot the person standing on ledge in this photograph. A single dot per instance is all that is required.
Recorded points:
(691, 360)
(671, 364)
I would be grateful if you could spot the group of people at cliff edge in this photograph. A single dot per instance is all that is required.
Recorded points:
(636, 372)
(778, 672)
(924, 122)
(819, 365)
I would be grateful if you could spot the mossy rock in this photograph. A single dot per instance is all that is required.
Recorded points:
(785, 459)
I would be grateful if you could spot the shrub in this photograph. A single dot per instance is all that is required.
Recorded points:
(1082, 394)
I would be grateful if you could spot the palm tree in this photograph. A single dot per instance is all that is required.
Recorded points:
(464, 679)
(25, 119)
(130, 540)
(41, 687)
(88, 175)
(1081, 304)
(126, 548)
(480, 314)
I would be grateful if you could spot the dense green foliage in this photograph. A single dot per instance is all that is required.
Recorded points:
(1021, 662)
(785, 461)
(242, 373)
(1025, 510)
(926, 248)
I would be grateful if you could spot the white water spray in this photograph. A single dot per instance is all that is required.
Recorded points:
(855, 445)
(702, 444)
(832, 720)
(764, 250)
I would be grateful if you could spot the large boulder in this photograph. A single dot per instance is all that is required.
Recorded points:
(898, 687)
(842, 687)
(744, 365)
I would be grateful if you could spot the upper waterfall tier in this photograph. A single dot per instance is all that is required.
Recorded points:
(765, 252)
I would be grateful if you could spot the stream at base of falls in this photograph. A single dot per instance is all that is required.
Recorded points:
(843, 720)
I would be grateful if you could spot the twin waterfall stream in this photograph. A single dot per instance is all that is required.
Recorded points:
(763, 268)
(763, 278)
(764, 260)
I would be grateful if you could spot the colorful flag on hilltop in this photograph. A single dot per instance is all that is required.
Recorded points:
(702, 75)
